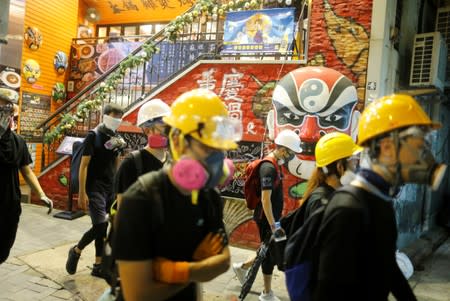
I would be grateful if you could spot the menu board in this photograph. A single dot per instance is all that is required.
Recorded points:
(35, 109)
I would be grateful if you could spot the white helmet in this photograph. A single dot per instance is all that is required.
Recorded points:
(155, 108)
(289, 139)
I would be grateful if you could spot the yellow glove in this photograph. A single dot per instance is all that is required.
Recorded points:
(168, 271)
(211, 245)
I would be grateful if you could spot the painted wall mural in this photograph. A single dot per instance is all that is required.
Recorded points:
(343, 43)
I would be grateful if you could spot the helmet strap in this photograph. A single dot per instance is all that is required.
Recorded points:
(175, 132)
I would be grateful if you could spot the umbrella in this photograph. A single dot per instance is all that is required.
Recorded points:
(251, 274)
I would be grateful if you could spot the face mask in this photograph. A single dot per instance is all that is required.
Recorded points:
(111, 122)
(115, 143)
(157, 141)
(290, 157)
(347, 177)
(214, 166)
(5, 121)
(189, 174)
(425, 171)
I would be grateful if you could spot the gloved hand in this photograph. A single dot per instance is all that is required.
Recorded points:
(167, 271)
(47, 202)
(211, 245)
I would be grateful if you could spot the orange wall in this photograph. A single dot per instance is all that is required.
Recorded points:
(124, 15)
(58, 22)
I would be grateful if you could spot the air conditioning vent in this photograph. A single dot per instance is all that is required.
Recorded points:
(429, 61)
(443, 26)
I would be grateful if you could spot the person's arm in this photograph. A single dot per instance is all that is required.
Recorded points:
(400, 287)
(268, 175)
(32, 180)
(211, 267)
(267, 206)
(136, 279)
(83, 199)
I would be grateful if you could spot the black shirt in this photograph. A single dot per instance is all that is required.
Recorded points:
(13, 155)
(171, 227)
(268, 177)
(357, 252)
(127, 172)
(100, 173)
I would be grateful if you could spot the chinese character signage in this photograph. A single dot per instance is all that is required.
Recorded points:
(268, 30)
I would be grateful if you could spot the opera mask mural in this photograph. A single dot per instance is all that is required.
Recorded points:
(33, 38)
(31, 71)
(313, 101)
(60, 62)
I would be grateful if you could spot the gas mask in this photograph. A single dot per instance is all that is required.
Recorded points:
(425, 170)
(5, 118)
(191, 175)
(111, 122)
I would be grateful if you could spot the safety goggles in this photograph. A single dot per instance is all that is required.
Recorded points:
(220, 129)
(420, 132)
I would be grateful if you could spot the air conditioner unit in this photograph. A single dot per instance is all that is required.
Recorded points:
(443, 26)
(429, 61)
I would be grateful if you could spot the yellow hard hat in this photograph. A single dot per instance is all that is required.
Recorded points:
(334, 146)
(389, 113)
(201, 114)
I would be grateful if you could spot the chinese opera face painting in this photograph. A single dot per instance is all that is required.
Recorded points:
(313, 101)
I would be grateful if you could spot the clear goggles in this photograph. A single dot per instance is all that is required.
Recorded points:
(422, 132)
(220, 128)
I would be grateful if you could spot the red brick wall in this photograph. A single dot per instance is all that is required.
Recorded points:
(52, 184)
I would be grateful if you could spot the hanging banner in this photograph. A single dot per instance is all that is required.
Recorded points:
(267, 30)
(35, 109)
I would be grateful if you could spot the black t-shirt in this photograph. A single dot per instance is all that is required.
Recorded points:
(13, 155)
(127, 172)
(171, 227)
(101, 167)
(268, 175)
(357, 251)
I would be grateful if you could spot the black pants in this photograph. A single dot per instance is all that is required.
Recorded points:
(264, 234)
(97, 233)
(9, 221)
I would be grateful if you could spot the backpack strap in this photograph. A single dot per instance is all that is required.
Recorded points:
(138, 161)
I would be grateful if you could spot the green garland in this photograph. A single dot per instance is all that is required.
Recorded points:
(201, 9)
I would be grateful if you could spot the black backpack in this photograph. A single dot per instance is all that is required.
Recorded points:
(109, 267)
(77, 154)
(302, 248)
(293, 221)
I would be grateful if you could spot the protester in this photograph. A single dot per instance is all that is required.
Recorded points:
(335, 166)
(358, 239)
(155, 153)
(268, 211)
(14, 157)
(98, 164)
(169, 233)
